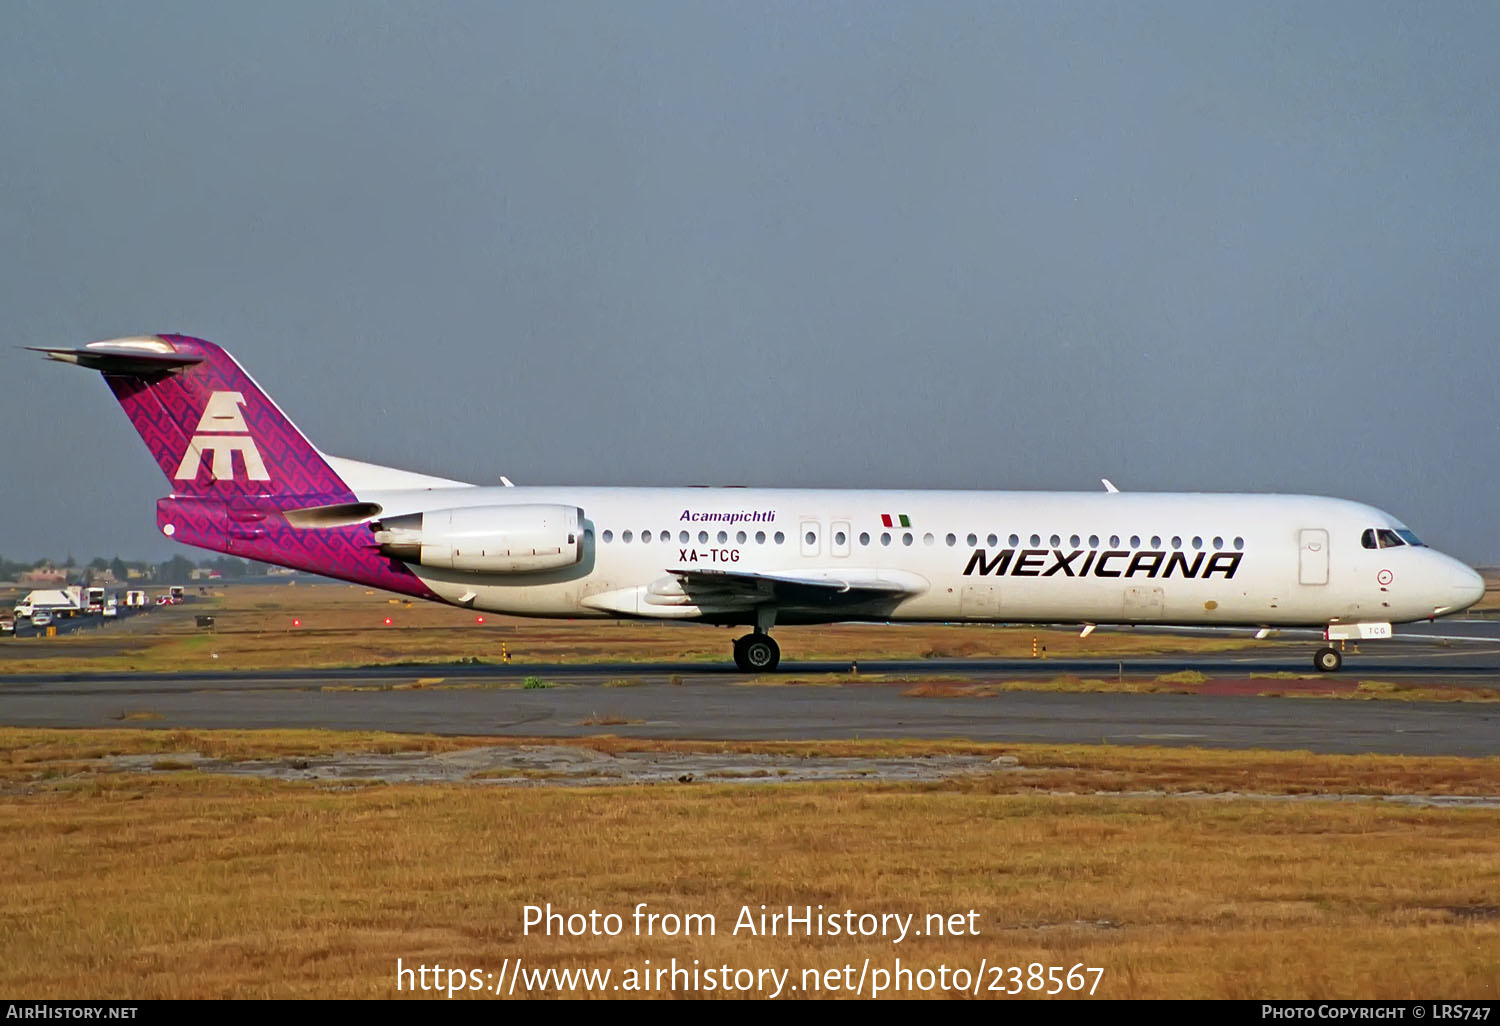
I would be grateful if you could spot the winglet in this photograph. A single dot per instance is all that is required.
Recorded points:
(1109, 485)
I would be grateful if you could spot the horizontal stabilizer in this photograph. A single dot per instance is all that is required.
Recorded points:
(130, 357)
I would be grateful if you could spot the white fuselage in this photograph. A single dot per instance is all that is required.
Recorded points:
(1051, 557)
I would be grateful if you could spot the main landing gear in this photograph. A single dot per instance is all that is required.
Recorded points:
(756, 653)
(1328, 660)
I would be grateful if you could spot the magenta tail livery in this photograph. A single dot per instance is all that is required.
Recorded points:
(245, 481)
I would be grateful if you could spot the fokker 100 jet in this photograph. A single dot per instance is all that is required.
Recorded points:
(246, 482)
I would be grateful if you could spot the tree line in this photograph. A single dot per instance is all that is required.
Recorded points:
(177, 570)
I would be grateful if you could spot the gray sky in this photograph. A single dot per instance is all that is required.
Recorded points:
(1186, 246)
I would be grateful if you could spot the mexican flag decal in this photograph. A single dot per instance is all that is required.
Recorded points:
(898, 520)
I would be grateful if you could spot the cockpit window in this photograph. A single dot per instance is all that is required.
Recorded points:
(1385, 538)
(1388, 539)
(1408, 537)
(1368, 539)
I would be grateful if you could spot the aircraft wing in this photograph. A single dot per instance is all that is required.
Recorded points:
(823, 587)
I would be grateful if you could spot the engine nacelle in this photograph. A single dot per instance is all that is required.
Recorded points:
(486, 539)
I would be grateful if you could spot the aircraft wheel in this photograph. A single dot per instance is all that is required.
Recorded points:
(1328, 660)
(757, 653)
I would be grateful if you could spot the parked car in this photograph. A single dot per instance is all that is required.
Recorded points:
(41, 618)
(7, 624)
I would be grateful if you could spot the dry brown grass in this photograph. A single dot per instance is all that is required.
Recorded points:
(30, 755)
(344, 625)
(1185, 683)
(186, 886)
(1422, 692)
(607, 719)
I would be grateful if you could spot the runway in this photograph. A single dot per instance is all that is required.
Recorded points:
(698, 701)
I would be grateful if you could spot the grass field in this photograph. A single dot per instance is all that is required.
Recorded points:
(342, 625)
(188, 884)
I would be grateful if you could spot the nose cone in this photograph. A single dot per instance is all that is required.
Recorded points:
(1467, 587)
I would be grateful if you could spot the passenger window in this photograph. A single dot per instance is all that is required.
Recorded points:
(1036, 540)
(952, 541)
(864, 537)
(885, 537)
(608, 536)
(993, 541)
(702, 537)
(973, 540)
(625, 537)
(740, 538)
(645, 537)
(760, 537)
(780, 537)
(839, 537)
(682, 537)
(1014, 540)
(1073, 542)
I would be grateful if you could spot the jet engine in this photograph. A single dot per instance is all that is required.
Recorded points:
(485, 539)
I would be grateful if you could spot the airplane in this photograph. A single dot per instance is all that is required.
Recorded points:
(246, 482)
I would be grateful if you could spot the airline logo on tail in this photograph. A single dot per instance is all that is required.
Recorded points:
(222, 429)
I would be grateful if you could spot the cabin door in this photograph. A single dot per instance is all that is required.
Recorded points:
(1312, 556)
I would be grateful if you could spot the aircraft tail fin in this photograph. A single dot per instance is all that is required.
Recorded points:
(211, 429)
(244, 480)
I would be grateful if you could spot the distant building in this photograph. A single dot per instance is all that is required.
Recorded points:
(44, 575)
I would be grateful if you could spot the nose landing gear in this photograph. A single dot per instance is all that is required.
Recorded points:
(1328, 660)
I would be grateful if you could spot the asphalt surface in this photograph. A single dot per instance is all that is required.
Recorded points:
(697, 701)
(66, 625)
